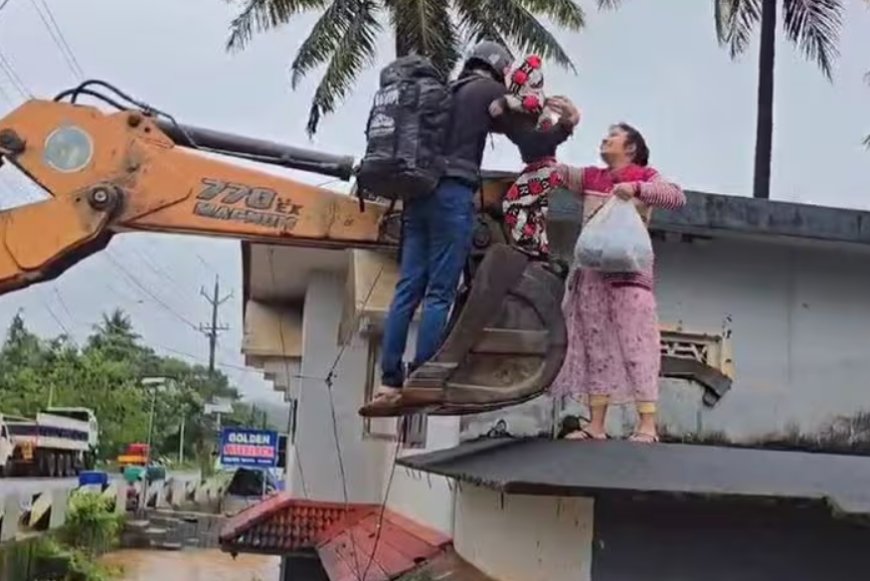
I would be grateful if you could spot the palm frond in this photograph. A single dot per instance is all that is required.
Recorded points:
(355, 51)
(734, 21)
(814, 25)
(564, 13)
(613, 4)
(474, 24)
(264, 15)
(867, 142)
(424, 27)
(521, 29)
(323, 39)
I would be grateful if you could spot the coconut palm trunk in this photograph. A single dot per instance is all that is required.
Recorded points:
(813, 26)
(764, 121)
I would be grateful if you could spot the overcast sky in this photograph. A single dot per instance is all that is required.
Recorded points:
(658, 68)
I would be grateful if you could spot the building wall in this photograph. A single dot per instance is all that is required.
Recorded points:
(363, 460)
(800, 321)
(427, 498)
(524, 538)
(368, 461)
(799, 317)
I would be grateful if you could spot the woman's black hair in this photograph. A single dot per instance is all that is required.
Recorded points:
(533, 144)
(633, 137)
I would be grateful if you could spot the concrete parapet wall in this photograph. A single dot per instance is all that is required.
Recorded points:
(23, 514)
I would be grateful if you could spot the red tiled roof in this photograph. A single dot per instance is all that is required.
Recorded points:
(348, 546)
(343, 535)
(282, 524)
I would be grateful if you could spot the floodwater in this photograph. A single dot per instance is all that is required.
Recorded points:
(192, 565)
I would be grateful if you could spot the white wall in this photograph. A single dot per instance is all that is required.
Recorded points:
(800, 322)
(364, 461)
(800, 318)
(524, 538)
(426, 498)
(367, 461)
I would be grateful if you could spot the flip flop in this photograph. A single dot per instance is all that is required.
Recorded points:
(384, 404)
(584, 434)
(643, 438)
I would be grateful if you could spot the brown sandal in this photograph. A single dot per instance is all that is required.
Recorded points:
(643, 438)
(584, 434)
(387, 402)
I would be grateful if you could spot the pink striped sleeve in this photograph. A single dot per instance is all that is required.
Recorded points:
(658, 192)
(572, 177)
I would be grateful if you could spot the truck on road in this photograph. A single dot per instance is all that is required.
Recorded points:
(60, 441)
(135, 454)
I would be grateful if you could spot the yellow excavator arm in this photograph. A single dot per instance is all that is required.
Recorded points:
(109, 173)
(137, 169)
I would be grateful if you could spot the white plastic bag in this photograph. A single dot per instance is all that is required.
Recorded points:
(614, 240)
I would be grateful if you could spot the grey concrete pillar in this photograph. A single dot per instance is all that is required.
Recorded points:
(11, 514)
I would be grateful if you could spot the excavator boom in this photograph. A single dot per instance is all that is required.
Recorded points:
(109, 173)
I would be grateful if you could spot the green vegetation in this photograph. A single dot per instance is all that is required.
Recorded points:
(105, 375)
(92, 528)
(91, 525)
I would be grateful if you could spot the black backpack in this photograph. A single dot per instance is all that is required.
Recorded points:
(406, 131)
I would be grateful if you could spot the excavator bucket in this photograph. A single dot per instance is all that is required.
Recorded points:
(508, 341)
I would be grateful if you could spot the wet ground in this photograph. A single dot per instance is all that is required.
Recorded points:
(193, 565)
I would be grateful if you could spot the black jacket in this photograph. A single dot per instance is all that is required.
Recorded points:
(470, 124)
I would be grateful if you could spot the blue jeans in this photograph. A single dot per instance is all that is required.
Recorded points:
(437, 234)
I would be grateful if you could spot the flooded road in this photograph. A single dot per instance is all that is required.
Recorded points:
(193, 565)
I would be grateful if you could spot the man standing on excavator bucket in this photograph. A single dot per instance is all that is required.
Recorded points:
(437, 231)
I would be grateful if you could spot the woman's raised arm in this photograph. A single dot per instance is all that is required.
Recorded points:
(659, 192)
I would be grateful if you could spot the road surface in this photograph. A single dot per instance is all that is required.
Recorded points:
(24, 486)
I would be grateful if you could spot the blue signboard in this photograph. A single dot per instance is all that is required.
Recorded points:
(248, 447)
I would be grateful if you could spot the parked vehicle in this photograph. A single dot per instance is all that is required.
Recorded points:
(136, 454)
(58, 442)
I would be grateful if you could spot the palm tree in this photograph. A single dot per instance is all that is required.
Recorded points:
(812, 25)
(344, 37)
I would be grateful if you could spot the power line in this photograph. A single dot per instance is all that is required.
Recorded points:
(383, 508)
(63, 304)
(54, 316)
(59, 39)
(9, 71)
(203, 360)
(6, 96)
(147, 291)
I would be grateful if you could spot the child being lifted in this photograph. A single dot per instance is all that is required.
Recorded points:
(537, 129)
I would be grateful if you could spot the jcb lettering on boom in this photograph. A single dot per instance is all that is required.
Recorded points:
(221, 200)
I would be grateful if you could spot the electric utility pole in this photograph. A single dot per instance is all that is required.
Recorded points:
(211, 331)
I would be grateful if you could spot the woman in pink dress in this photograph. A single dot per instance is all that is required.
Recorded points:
(614, 353)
